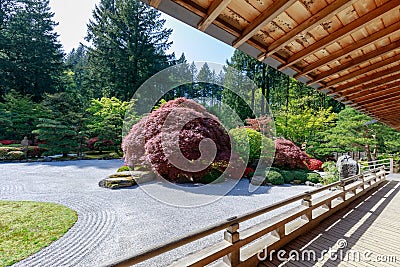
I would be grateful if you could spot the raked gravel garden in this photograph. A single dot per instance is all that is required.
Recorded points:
(117, 223)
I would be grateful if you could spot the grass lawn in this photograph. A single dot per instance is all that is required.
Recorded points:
(27, 227)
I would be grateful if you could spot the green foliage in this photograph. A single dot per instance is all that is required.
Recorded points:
(129, 45)
(107, 117)
(301, 175)
(252, 143)
(124, 169)
(30, 54)
(355, 131)
(275, 178)
(288, 176)
(58, 137)
(331, 173)
(314, 177)
(301, 121)
(19, 116)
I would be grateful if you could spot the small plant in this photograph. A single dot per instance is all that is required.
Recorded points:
(331, 173)
(124, 169)
(275, 178)
(314, 177)
(301, 175)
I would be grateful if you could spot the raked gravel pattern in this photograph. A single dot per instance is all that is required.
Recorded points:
(117, 223)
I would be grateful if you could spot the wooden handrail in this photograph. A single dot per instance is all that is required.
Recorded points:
(228, 223)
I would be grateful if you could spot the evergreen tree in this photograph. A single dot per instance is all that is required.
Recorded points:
(18, 116)
(31, 60)
(63, 125)
(129, 45)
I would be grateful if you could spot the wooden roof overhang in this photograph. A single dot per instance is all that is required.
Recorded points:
(348, 49)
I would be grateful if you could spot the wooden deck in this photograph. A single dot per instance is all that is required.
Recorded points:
(368, 225)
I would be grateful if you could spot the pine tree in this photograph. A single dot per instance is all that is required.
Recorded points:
(62, 127)
(31, 60)
(18, 116)
(129, 45)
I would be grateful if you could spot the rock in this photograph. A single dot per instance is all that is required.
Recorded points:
(296, 182)
(115, 183)
(257, 180)
(319, 185)
(127, 179)
(309, 183)
(47, 159)
(347, 166)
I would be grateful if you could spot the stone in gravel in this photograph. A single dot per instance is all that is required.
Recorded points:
(296, 182)
(127, 179)
(115, 183)
(47, 159)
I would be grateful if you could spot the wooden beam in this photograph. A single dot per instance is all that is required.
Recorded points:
(263, 19)
(154, 3)
(386, 97)
(342, 53)
(329, 11)
(339, 34)
(373, 88)
(372, 78)
(365, 70)
(375, 97)
(215, 9)
(385, 107)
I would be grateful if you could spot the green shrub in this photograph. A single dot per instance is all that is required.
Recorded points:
(314, 177)
(275, 178)
(214, 175)
(124, 169)
(301, 175)
(288, 176)
(247, 141)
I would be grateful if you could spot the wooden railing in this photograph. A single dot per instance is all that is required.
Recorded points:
(388, 164)
(242, 247)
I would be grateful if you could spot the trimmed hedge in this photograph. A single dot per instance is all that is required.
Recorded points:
(275, 178)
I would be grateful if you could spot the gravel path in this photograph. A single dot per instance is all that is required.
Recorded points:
(116, 223)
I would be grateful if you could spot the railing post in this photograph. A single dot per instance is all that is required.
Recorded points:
(308, 203)
(343, 189)
(391, 165)
(232, 236)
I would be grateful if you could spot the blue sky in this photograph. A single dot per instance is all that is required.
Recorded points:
(73, 15)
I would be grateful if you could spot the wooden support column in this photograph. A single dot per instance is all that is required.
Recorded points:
(343, 194)
(232, 236)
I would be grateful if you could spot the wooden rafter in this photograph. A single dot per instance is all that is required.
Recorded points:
(352, 63)
(154, 3)
(369, 79)
(263, 19)
(309, 24)
(337, 35)
(213, 12)
(379, 86)
(377, 98)
(386, 108)
(365, 70)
